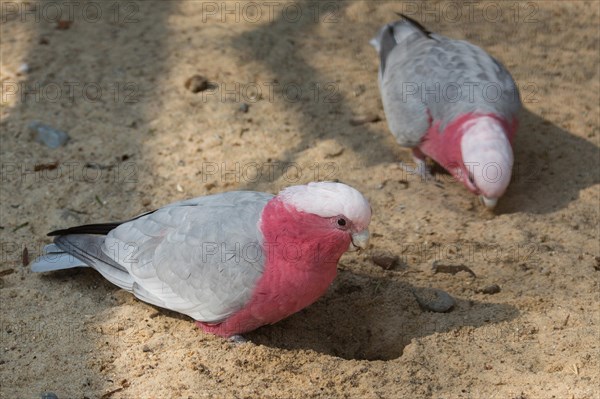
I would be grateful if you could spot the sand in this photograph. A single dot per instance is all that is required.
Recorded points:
(114, 79)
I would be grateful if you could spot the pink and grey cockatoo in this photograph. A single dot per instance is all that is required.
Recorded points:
(451, 101)
(233, 261)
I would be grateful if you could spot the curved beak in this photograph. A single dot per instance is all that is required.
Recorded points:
(359, 241)
(489, 203)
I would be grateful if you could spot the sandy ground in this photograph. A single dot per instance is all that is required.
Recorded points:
(114, 80)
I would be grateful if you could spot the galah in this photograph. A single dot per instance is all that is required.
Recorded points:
(232, 261)
(451, 101)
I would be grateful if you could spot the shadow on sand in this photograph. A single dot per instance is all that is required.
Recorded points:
(368, 318)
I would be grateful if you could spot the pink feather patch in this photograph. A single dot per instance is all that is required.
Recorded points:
(302, 251)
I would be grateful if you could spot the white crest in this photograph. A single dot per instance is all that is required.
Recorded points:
(488, 155)
(328, 199)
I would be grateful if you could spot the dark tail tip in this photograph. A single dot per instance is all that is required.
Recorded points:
(103, 229)
(416, 24)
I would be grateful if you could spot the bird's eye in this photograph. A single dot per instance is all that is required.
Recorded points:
(341, 222)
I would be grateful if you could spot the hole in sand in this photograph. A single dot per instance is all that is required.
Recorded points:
(369, 318)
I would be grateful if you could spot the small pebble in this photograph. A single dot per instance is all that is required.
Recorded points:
(331, 148)
(370, 118)
(63, 24)
(490, 289)
(244, 107)
(237, 339)
(23, 69)
(49, 395)
(48, 135)
(434, 300)
(358, 90)
(146, 348)
(196, 83)
(450, 269)
(385, 261)
(335, 152)
(68, 214)
(25, 257)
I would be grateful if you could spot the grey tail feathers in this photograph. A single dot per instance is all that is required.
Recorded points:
(83, 246)
(393, 34)
(416, 24)
(82, 250)
(386, 43)
(55, 258)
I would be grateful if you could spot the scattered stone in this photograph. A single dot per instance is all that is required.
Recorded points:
(44, 41)
(49, 395)
(48, 135)
(71, 214)
(490, 289)
(244, 107)
(20, 226)
(109, 394)
(196, 84)
(154, 315)
(23, 69)
(385, 261)
(25, 257)
(63, 24)
(451, 269)
(243, 130)
(331, 148)
(381, 185)
(6, 272)
(97, 166)
(371, 118)
(434, 300)
(358, 90)
(335, 152)
(237, 339)
(45, 166)
(146, 348)
(99, 201)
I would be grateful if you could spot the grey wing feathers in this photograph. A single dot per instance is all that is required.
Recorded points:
(401, 47)
(406, 113)
(201, 257)
(470, 81)
(200, 260)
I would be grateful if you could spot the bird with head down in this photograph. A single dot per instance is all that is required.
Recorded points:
(451, 101)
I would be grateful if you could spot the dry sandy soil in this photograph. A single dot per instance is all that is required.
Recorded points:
(114, 81)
